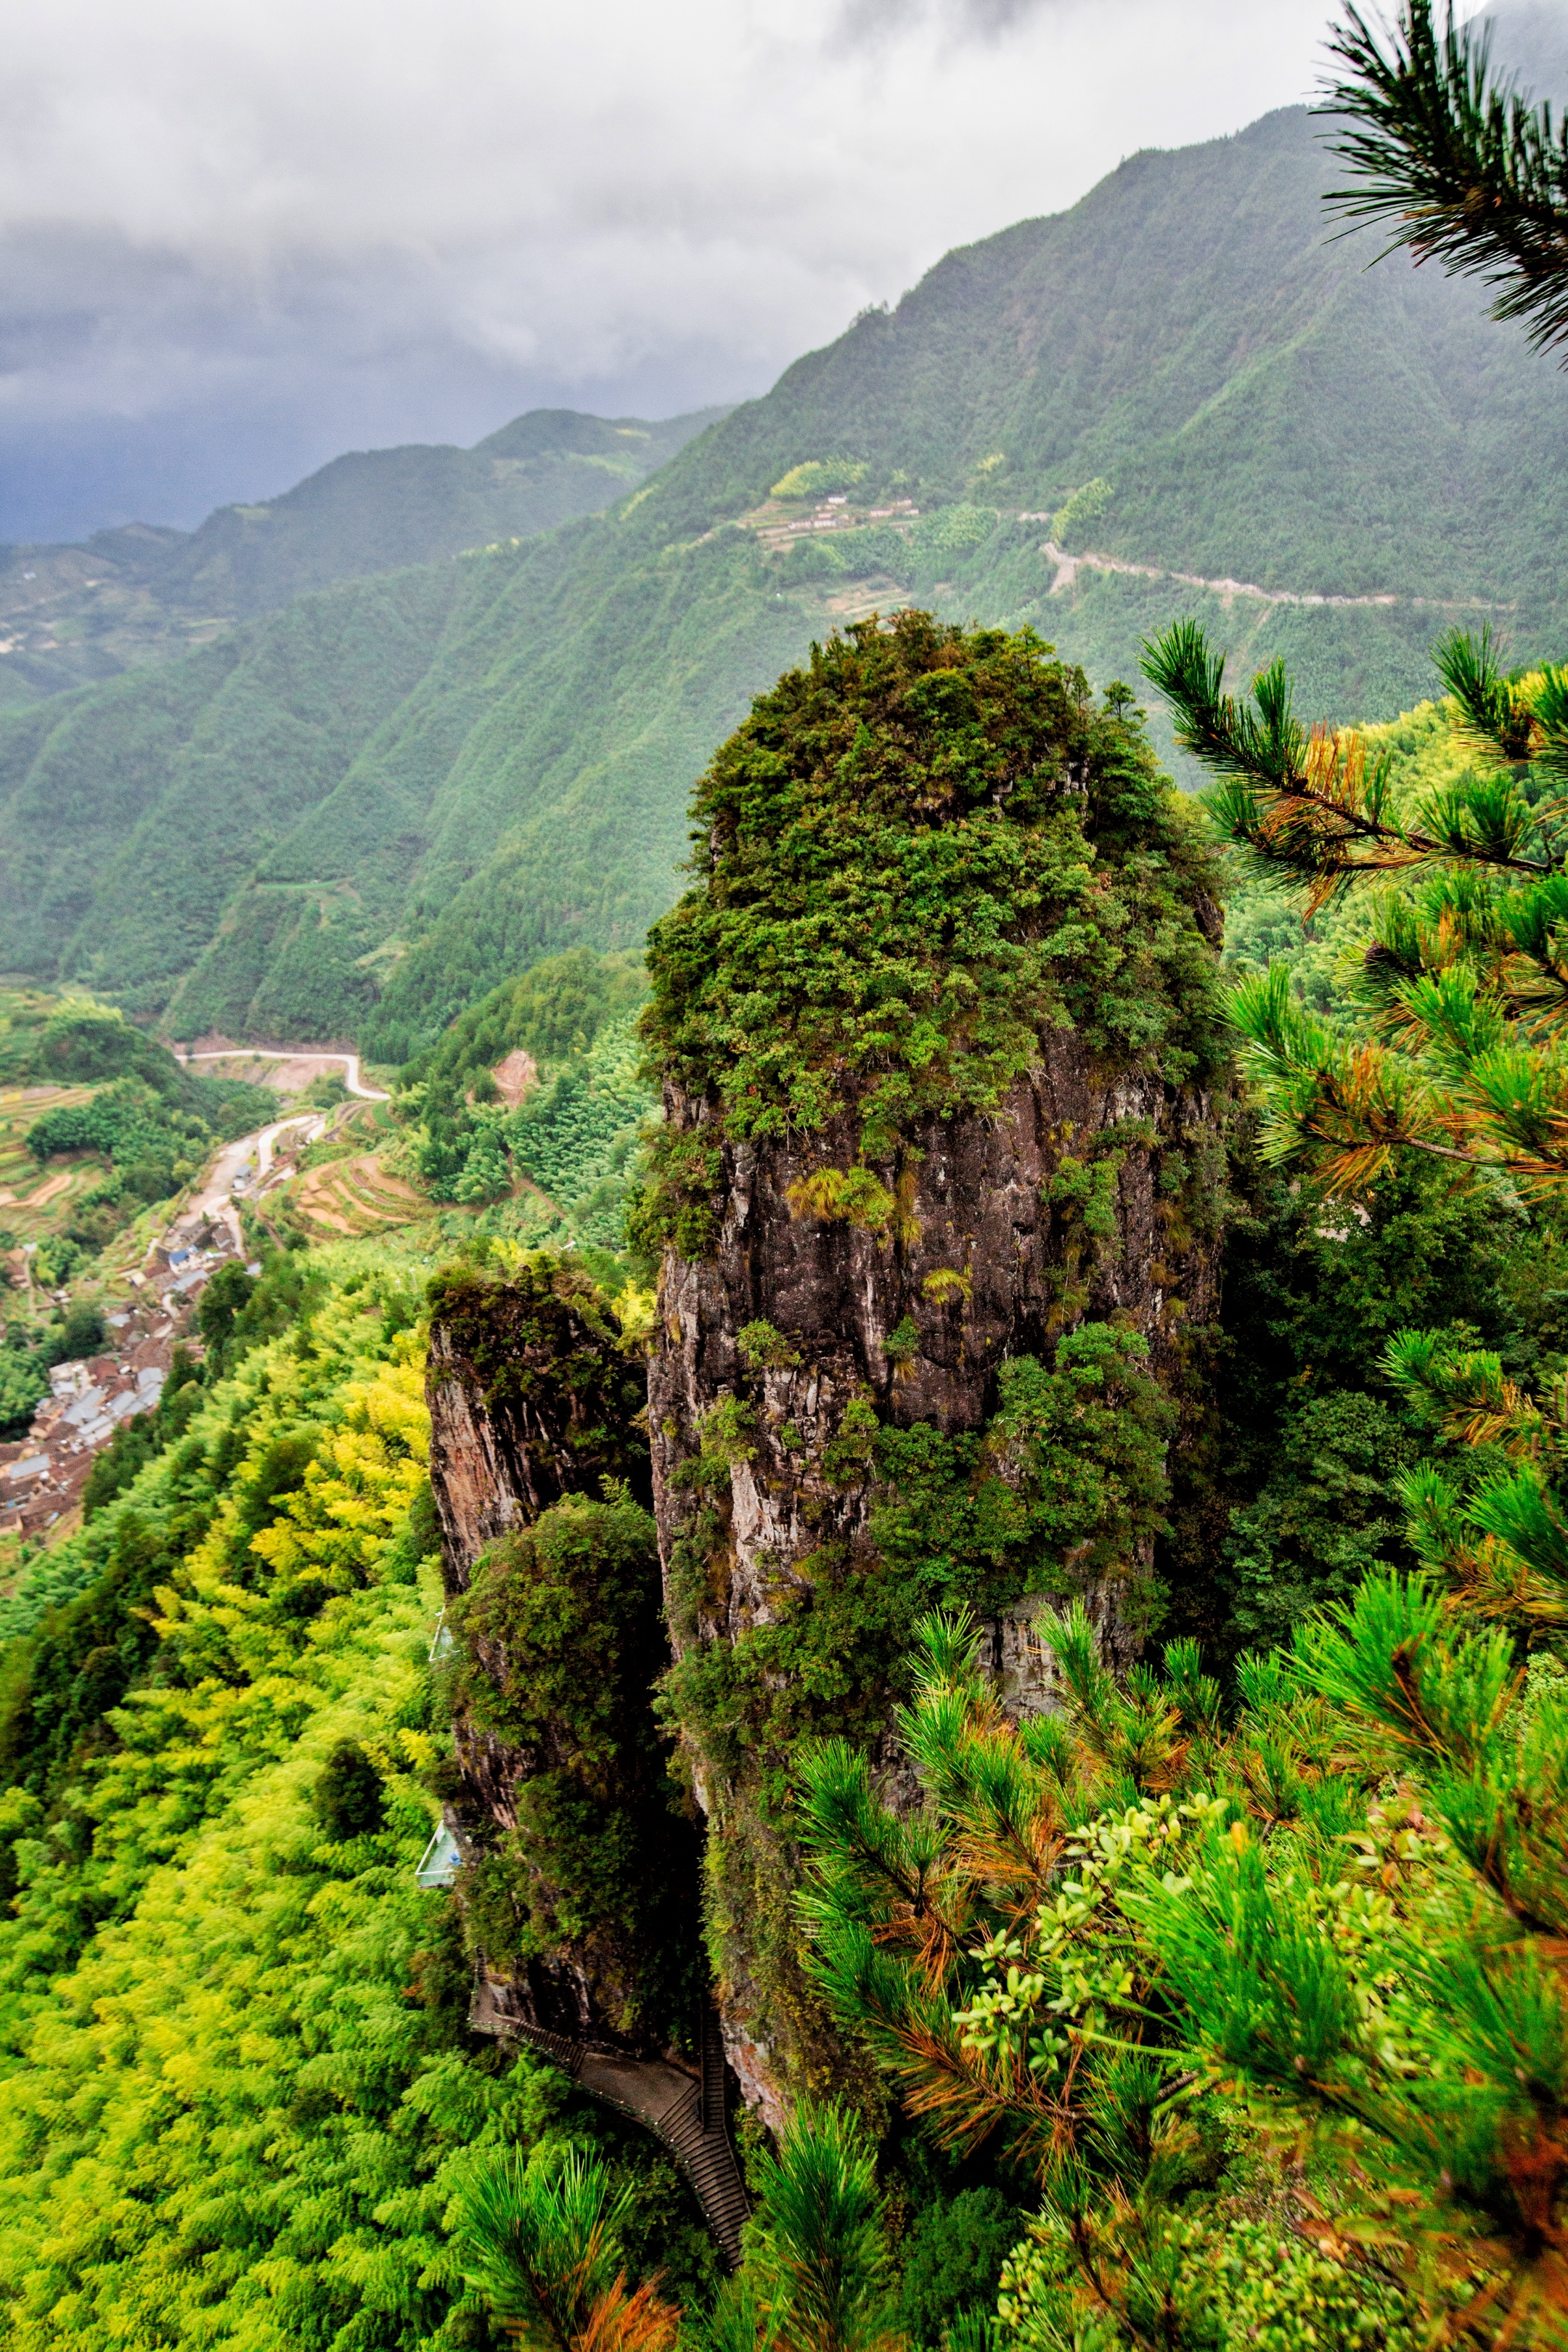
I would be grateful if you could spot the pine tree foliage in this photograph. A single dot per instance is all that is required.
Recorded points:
(1123, 1941)
(1463, 988)
(979, 1943)
(1500, 1538)
(538, 2240)
(1458, 165)
(1427, 2026)
(1457, 1044)
(540, 2244)
(822, 2268)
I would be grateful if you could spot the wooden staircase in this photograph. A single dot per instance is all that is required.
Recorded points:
(688, 2116)
(696, 2130)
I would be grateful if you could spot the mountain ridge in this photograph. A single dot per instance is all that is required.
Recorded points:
(142, 591)
(374, 805)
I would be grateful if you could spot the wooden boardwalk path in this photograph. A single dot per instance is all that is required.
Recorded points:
(688, 2116)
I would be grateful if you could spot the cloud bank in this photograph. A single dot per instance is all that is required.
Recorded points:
(234, 241)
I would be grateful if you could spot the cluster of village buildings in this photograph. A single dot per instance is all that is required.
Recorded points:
(833, 513)
(42, 1474)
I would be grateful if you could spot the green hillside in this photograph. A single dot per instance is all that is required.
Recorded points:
(363, 812)
(232, 2028)
(70, 615)
(245, 2106)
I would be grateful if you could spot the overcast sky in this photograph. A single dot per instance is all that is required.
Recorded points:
(236, 239)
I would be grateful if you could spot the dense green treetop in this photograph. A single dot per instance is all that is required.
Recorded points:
(918, 854)
(552, 1011)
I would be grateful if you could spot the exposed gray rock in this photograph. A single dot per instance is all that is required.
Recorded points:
(974, 1212)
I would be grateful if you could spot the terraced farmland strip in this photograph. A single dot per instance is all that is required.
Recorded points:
(356, 1196)
(49, 1191)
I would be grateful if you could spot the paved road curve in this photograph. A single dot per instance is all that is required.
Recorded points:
(215, 1200)
(296, 1053)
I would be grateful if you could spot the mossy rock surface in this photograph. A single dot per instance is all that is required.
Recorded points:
(938, 1194)
(532, 1397)
(582, 1875)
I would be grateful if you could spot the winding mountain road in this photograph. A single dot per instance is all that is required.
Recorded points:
(217, 1196)
(1067, 568)
(293, 1054)
(216, 1199)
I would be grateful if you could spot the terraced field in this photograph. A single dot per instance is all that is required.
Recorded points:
(32, 1203)
(347, 1197)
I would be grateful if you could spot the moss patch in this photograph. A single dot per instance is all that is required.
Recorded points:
(560, 1640)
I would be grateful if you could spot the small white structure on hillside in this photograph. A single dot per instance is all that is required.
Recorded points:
(439, 1863)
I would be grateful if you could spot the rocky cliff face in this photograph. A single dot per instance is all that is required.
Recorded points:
(580, 1864)
(769, 1469)
(530, 1399)
(941, 1176)
(978, 1265)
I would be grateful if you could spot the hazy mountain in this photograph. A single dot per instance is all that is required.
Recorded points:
(140, 594)
(362, 811)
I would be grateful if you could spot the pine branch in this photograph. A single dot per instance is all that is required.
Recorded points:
(1311, 807)
(825, 2261)
(1493, 713)
(1456, 162)
(541, 2247)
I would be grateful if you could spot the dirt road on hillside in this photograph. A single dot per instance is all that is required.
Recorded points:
(273, 1054)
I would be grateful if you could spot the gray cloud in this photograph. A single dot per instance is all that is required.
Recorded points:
(986, 20)
(1530, 36)
(340, 222)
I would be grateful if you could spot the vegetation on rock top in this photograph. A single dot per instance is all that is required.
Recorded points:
(915, 858)
(543, 1347)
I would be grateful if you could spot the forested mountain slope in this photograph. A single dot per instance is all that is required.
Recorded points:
(363, 812)
(226, 2005)
(141, 593)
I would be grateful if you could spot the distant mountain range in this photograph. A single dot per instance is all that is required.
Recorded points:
(355, 815)
(71, 614)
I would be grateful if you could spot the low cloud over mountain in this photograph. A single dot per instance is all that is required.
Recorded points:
(235, 242)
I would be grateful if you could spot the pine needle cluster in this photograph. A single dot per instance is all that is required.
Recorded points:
(540, 2243)
(1462, 1051)
(1459, 166)
(1126, 1942)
